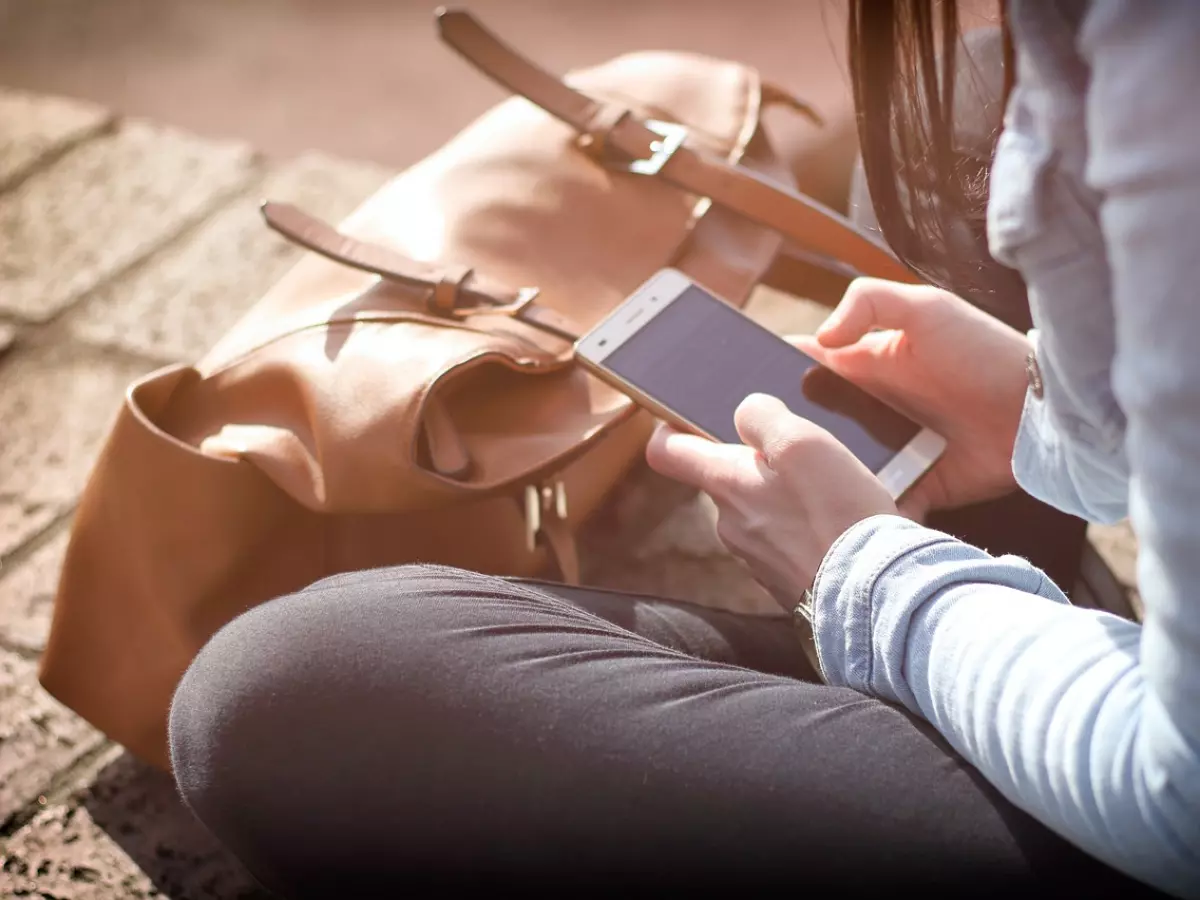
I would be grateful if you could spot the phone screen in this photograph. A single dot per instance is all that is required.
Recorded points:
(700, 358)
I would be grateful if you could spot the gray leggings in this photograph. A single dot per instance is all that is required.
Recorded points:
(425, 727)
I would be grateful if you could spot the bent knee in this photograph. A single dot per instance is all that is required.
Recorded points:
(321, 652)
(274, 655)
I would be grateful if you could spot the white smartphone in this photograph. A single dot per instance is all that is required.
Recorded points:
(691, 358)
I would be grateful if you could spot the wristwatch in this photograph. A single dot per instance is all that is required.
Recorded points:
(802, 618)
(803, 613)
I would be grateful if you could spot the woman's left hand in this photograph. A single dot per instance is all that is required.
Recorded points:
(784, 496)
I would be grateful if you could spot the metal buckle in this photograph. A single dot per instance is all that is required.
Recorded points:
(672, 134)
(525, 296)
(540, 500)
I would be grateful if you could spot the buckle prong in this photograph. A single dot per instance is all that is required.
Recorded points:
(671, 135)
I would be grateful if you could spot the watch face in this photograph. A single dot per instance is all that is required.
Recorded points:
(1034, 373)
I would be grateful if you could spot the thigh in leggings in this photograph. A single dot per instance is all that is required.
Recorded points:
(421, 725)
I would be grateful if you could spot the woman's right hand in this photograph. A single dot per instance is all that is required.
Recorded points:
(946, 364)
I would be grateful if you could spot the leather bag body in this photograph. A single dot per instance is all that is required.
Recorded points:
(407, 392)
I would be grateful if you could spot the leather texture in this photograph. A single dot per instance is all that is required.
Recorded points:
(407, 392)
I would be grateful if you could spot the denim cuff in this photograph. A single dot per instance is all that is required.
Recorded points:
(1066, 465)
(875, 578)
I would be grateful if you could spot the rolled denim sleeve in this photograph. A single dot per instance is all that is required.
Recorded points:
(1084, 478)
(1050, 702)
(877, 578)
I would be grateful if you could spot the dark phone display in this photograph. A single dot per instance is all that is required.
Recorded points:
(700, 358)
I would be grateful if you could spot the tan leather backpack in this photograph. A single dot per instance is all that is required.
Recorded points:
(407, 392)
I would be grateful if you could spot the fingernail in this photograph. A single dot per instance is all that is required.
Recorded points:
(760, 398)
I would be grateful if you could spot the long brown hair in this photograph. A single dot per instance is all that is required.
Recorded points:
(930, 196)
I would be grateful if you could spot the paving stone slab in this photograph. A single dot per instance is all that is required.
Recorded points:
(177, 304)
(34, 127)
(325, 186)
(38, 736)
(19, 520)
(56, 405)
(103, 206)
(62, 854)
(125, 837)
(8, 337)
(27, 595)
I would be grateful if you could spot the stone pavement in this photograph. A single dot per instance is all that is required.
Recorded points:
(125, 246)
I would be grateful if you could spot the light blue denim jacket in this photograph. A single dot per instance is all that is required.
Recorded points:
(1089, 722)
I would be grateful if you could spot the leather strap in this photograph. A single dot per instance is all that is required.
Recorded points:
(804, 256)
(774, 95)
(563, 548)
(546, 319)
(803, 220)
(313, 234)
(453, 291)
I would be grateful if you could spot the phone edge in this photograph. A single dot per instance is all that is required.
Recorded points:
(912, 462)
(642, 399)
(905, 468)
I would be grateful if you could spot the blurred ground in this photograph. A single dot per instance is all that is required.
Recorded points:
(365, 79)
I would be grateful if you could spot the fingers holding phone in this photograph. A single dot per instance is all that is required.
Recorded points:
(783, 496)
(938, 358)
(792, 454)
(692, 359)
